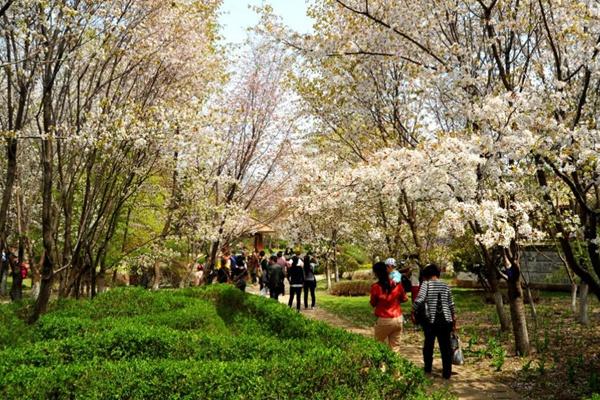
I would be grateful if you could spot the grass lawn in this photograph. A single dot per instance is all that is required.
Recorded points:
(356, 310)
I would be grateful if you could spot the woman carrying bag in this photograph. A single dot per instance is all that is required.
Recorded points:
(386, 297)
(439, 318)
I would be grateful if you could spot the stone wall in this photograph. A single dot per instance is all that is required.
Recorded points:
(542, 264)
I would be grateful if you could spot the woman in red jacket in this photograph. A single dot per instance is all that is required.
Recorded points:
(386, 298)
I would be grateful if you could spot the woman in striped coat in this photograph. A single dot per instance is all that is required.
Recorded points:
(436, 297)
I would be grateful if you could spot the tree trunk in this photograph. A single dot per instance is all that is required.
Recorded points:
(16, 289)
(584, 317)
(517, 312)
(47, 225)
(93, 281)
(532, 305)
(211, 262)
(45, 289)
(101, 278)
(499, 303)
(36, 277)
(336, 268)
(156, 280)
(167, 226)
(4, 276)
(492, 277)
(574, 298)
(328, 273)
(11, 173)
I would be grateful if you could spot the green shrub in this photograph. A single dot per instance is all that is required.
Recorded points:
(318, 375)
(210, 343)
(13, 329)
(362, 275)
(351, 288)
(347, 263)
(53, 326)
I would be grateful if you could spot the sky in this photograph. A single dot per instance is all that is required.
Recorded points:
(237, 17)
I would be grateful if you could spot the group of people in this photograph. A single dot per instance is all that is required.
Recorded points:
(234, 268)
(270, 272)
(432, 298)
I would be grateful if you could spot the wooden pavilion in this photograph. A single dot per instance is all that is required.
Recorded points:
(259, 233)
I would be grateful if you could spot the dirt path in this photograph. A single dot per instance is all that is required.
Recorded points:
(468, 382)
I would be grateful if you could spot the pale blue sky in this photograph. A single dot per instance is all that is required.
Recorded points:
(237, 17)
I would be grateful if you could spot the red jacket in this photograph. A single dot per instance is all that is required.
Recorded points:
(387, 305)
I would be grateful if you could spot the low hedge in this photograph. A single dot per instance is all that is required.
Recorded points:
(351, 288)
(209, 343)
(361, 274)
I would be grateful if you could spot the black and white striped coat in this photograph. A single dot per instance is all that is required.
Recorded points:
(429, 293)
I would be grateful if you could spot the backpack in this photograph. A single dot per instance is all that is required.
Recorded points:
(406, 284)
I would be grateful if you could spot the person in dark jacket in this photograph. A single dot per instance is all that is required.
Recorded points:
(310, 281)
(276, 276)
(296, 279)
(440, 321)
(240, 273)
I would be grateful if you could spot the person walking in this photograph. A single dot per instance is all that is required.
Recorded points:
(276, 276)
(386, 297)
(310, 281)
(253, 266)
(440, 320)
(263, 273)
(198, 273)
(281, 260)
(296, 279)
(415, 276)
(240, 273)
(224, 271)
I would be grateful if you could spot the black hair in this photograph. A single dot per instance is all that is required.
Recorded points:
(262, 253)
(380, 271)
(431, 270)
(279, 254)
(307, 266)
(307, 259)
(273, 258)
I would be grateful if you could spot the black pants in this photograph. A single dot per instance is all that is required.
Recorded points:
(295, 291)
(309, 285)
(442, 333)
(274, 293)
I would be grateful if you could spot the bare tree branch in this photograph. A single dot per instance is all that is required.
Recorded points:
(379, 21)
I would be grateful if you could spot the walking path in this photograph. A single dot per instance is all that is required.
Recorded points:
(468, 382)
